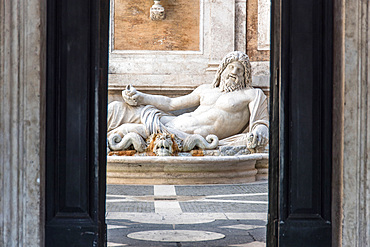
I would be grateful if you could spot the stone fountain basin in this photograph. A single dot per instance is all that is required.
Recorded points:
(187, 170)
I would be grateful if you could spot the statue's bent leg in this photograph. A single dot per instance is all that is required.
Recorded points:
(129, 128)
(119, 112)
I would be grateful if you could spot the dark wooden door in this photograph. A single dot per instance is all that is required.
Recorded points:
(76, 91)
(301, 123)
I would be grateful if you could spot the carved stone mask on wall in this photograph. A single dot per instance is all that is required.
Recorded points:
(157, 12)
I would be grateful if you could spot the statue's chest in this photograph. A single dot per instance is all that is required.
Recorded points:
(226, 101)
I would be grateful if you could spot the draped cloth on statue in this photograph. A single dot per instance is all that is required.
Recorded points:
(119, 112)
(150, 118)
(258, 115)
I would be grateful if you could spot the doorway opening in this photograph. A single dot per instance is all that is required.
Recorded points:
(300, 188)
(172, 57)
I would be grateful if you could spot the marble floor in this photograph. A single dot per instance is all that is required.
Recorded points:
(199, 215)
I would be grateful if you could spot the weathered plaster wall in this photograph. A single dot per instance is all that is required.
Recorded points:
(22, 73)
(134, 30)
(351, 164)
(258, 30)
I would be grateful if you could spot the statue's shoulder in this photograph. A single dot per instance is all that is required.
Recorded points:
(259, 92)
(203, 87)
(252, 93)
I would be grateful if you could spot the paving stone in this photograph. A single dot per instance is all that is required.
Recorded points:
(262, 198)
(130, 190)
(176, 235)
(255, 188)
(205, 190)
(238, 230)
(222, 207)
(141, 207)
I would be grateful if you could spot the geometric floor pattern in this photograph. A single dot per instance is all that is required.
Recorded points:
(175, 215)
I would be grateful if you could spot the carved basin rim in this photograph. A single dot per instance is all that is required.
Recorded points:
(187, 170)
(185, 159)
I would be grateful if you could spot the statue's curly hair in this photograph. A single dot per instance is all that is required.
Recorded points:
(235, 56)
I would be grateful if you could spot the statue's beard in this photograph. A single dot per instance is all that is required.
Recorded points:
(230, 84)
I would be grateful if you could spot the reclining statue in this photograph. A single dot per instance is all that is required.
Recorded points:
(229, 109)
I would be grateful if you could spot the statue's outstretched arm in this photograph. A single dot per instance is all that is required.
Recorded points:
(134, 97)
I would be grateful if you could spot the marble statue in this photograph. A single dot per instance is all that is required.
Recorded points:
(229, 112)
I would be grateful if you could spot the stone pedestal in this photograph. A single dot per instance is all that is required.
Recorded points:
(262, 167)
(186, 170)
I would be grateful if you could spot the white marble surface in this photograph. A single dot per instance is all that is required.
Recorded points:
(253, 244)
(166, 206)
(110, 244)
(22, 101)
(184, 160)
(243, 227)
(176, 235)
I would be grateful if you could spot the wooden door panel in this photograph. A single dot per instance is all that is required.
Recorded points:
(77, 60)
(301, 120)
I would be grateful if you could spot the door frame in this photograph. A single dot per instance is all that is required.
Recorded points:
(82, 219)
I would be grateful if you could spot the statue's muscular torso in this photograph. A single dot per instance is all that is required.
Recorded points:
(219, 113)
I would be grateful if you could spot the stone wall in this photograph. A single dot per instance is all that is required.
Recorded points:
(134, 30)
(351, 141)
(258, 30)
(175, 55)
(22, 104)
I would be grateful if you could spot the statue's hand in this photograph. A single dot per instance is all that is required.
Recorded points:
(258, 137)
(130, 95)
